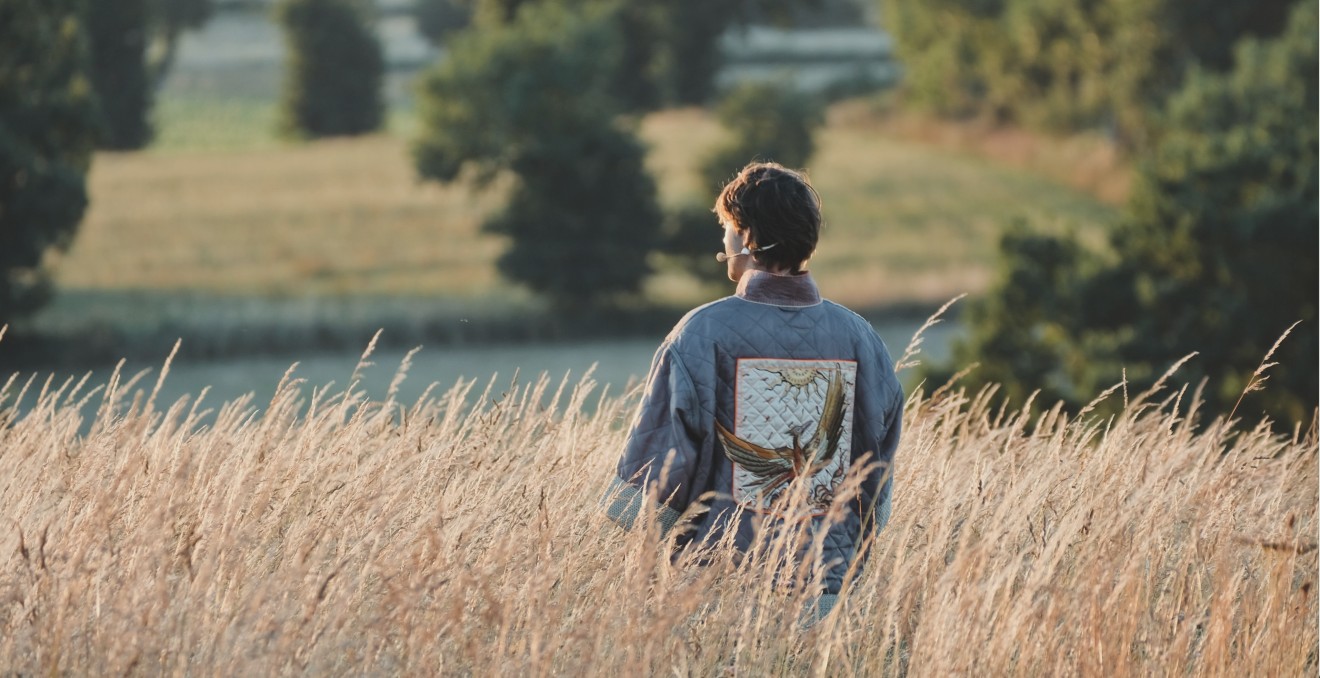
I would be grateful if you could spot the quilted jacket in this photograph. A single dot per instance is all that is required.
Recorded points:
(751, 393)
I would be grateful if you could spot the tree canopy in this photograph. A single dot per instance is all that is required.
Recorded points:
(133, 44)
(1067, 65)
(335, 69)
(1216, 253)
(47, 131)
(532, 99)
(118, 37)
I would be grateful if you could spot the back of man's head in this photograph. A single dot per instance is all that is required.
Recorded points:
(770, 204)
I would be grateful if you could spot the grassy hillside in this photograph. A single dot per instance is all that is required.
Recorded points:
(378, 537)
(348, 217)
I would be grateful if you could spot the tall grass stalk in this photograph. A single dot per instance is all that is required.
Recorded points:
(326, 533)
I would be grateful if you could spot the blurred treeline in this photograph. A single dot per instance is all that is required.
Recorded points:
(1069, 65)
(1217, 250)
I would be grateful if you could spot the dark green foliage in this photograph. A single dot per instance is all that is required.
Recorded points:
(118, 38)
(1066, 65)
(767, 122)
(689, 54)
(1021, 335)
(176, 16)
(691, 30)
(47, 130)
(638, 80)
(1203, 25)
(495, 13)
(132, 45)
(942, 46)
(805, 13)
(437, 19)
(1216, 253)
(532, 98)
(334, 69)
(670, 51)
(582, 218)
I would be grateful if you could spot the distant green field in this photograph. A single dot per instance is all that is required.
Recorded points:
(221, 206)
(212, 123)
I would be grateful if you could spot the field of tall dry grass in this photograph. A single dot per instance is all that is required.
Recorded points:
(323, 533)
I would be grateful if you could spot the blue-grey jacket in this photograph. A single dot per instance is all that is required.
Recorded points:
(751, 393)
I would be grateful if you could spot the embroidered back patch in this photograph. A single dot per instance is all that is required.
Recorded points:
(792, 423)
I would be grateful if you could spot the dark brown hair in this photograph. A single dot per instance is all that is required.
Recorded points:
(773, 205)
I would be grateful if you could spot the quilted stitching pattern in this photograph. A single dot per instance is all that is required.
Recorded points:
(776, 398)
(692, 385)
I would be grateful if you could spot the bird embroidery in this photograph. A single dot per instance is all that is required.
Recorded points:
(775, 468)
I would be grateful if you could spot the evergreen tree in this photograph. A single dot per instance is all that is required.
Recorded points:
(133, 44)
(1219, 249)
(532, 98)
(1067, 65)
(437, 19)
(691, 31)
(334, 70)
(671, 50)
(47, 130)
(1216, 254)
(118, 37)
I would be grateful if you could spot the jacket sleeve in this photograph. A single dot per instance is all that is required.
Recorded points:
(886, 454)
(660, 455)
(881, 405)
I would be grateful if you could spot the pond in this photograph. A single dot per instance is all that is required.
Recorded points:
(617, 364)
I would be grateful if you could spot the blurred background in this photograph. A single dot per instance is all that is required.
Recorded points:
(525, 185)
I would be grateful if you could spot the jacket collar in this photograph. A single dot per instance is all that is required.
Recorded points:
(764, 287)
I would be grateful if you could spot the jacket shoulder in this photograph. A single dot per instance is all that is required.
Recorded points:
(843, 311)
(699, 319)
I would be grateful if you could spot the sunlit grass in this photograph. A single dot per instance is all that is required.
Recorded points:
(242, 212)
(326, 533)
(333, 217)
(210, 122)
(192, 124)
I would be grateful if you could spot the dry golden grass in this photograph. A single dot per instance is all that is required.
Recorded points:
(460, 534)
(349, 217)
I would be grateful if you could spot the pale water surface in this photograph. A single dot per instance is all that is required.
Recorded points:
(617, 365)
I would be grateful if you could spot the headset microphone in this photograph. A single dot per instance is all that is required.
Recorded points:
(722, 257)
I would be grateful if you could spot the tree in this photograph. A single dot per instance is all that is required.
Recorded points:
(691, 30)
(1215, 253)
(47, 130)
(1067, 65)
(944, 46)
(437, 19)
(118, 37)
(532, 99)
(670, 51)
(132, 44)
(766, 122)
(334, 71)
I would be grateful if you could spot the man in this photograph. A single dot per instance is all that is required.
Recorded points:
(765, 395)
